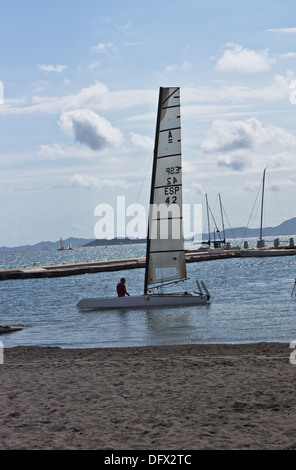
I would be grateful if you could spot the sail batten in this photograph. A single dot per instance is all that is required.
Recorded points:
(170, 129)
(173, 155)
(165, 257)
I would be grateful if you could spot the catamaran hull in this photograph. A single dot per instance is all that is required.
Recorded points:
(144, 301)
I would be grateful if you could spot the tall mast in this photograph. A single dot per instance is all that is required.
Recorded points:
(262, 201)
(152, 187)
(208, 219)
(222, 217)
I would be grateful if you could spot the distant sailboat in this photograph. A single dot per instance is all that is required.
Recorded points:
(70, 246)
(165, 255)
(216, 245)
(61, 246)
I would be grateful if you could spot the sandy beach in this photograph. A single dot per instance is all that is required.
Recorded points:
(164, 397)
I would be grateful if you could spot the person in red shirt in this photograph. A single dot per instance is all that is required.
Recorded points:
(121, 288)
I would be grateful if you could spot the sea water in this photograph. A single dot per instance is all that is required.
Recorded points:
(250, 302)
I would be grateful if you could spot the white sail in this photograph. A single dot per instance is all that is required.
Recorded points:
(165, 244)
(165, 256)
(61, 247)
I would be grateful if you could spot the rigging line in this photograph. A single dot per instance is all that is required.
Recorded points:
(278, 206)
(205, 223)
(217, 230)
(144, 178)
(163, 283)
(230, 228)
(224, 212)
(215, 205)
(250, 215)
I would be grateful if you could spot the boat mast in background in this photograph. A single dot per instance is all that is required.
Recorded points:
(261, 241)
(222, 220)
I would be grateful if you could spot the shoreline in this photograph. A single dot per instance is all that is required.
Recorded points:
(199, 396)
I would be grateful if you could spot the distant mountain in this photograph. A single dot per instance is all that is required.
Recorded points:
(75, 242)
(115, 241)
(286, 228)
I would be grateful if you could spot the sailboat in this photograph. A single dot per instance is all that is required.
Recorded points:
(61, 246)
(165, 253)
(214, 246)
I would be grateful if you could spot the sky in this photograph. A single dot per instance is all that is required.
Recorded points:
(80, 82)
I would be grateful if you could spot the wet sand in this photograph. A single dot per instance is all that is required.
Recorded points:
(165, 397)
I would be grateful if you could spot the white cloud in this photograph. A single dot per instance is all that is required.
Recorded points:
(95, 97)
(52, 68)
(240, 59)
(53, 151)
(198, 189)
(128, 29)
(90, 129)
(104, 47)
(171, 68)
(91, 182)
(288, 55)
(282, 30)
(184, 66)
(89, 97)
(57, 151)
(226, 136)
(98, 97)
(142, 141)
(39, 86)
(241, 144)
(93, 65)
(237, 162)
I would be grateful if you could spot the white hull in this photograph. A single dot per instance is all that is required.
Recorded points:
(144, 301)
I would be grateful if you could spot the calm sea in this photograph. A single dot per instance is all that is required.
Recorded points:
(251, 302)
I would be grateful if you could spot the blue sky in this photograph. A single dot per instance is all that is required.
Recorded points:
(81, 81)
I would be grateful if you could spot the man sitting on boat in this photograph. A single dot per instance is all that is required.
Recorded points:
(121, 288)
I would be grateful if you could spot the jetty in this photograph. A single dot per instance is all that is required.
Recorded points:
(62, 270)
(95, 266)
